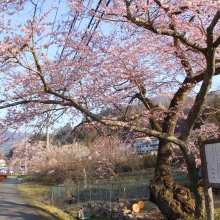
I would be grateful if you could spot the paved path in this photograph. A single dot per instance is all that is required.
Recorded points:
(12, 205)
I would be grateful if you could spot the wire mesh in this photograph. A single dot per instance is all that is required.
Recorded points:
(104, 191)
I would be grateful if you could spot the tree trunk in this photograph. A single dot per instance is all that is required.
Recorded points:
(194, 186)
(172, 199)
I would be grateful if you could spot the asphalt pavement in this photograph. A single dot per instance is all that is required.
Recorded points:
(12, 205)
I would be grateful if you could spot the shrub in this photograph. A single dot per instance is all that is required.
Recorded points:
(150, 160)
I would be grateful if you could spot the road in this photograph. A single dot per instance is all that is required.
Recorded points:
(12, 205)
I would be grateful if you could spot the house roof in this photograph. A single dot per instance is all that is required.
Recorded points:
(145, 138)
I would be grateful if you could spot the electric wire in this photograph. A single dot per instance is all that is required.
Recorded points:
(88, 27)
(102, 14)
(54, 22)
(92, 26)
(70, 30)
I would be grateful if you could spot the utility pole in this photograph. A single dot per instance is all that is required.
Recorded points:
(25, 164)
(47, 143)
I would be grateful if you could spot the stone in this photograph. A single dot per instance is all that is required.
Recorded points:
(121, 204)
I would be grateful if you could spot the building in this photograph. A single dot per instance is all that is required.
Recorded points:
(146, 145)
(2, 163)
(3, 166)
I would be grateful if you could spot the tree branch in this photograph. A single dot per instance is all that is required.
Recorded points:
(214, 21)
(167, 9)
(161, 31)
(217, 42)
(211, 28)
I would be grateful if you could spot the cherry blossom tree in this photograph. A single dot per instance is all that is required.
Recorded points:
(110, 155)
(127, 52)
(28, 154)
(61, 163)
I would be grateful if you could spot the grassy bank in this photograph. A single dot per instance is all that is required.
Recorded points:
(39, 196)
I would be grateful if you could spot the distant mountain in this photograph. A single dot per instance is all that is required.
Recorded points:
(6, 147)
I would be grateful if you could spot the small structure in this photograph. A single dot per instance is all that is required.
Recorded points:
(210, 161)
(81, 214)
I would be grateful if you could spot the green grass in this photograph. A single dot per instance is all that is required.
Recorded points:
(38, 197)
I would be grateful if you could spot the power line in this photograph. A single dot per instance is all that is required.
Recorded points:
(54, 21)
(102, 14)
(71, 27)
(90, 25)
(95, 24)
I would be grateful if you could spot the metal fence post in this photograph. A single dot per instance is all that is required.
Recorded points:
(52, 193)
(90, 194)
(78, 194)
(59, 191)
(135, 184)
(99, 191)
(106, 193)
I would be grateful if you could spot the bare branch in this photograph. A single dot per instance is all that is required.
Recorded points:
(161, 31)
(211, 28)
(214, 21)
(217, 42)
(167, 9)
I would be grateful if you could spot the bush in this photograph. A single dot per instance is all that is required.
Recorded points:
(125, 168)
(27, 178)
(93, 215)
(150, 160)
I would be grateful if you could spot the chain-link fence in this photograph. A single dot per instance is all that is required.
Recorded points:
(105, 191)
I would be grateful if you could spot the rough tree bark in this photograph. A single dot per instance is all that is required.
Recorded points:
(172, 199)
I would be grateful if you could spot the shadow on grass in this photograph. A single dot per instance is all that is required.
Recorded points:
(48, 215)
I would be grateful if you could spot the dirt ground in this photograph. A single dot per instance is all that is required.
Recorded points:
(150, 209)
